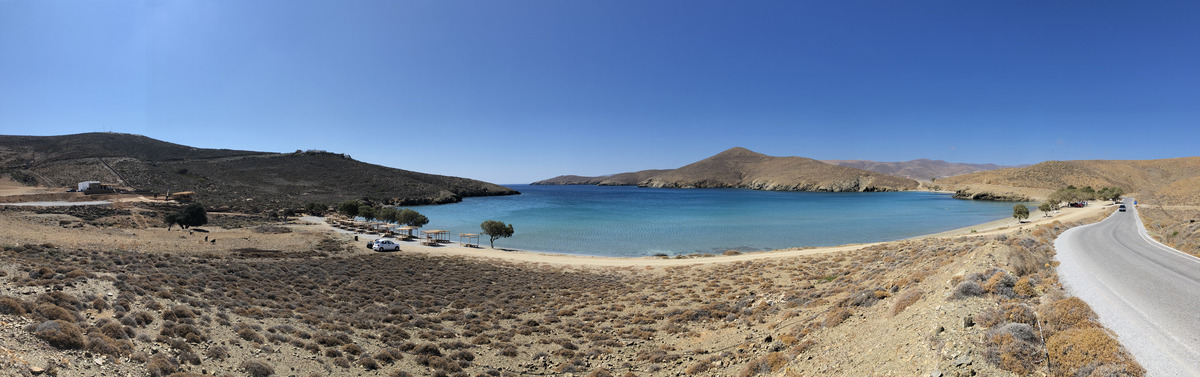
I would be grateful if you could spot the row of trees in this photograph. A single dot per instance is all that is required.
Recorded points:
(353, 208)
(1069, 194)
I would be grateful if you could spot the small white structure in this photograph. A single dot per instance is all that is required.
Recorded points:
(87, 185)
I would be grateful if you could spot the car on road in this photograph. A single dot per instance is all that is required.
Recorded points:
(386, 245)
(1121, 208)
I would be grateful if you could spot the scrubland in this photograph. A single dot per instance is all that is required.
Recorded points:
(309, 302)
(1175, 226)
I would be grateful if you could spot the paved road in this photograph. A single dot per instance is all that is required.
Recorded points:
(1146, 292)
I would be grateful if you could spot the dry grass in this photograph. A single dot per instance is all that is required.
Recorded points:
(1088, 348)
(456, 316)
(908, 297)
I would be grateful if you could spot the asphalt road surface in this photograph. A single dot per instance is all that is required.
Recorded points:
(1146, 292)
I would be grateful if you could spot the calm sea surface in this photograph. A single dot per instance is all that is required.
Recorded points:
(631, 221)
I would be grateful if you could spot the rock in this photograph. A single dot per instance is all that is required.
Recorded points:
(936, 373)
(939, 329)
(36, 370)
(962, 360)
(968, 321)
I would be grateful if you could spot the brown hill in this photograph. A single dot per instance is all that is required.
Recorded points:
(920, 169)
(623, 179)
(243, 180)
(742, 168)
(1170, 180)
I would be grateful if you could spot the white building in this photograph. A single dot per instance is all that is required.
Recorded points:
(84, 186)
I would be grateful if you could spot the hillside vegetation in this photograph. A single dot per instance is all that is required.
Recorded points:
(920, 169)
(742, 168)
(243, 180)
(1170, 180)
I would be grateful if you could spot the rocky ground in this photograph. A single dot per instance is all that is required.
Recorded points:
(111, 293)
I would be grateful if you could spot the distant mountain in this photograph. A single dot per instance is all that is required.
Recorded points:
(1172, 180)
(742, 168)
(243, 180)
(922, 169)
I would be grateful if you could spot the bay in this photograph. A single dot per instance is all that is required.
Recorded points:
(626, 221)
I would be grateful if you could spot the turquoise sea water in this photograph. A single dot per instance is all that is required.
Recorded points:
(633, 222)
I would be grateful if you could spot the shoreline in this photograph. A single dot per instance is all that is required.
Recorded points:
(576, 260)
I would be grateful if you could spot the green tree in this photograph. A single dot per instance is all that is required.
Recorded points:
(348, 208)
(1088, 193)
(172, 219)
(495, 229)
(367, 212)
(1046, 207)
(193, 215)
(390, 215)
(1110, 193)
(412, 218)
(1021, 212)
(286, 213)
(315, 209)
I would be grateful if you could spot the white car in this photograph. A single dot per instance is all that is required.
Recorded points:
(386, 245)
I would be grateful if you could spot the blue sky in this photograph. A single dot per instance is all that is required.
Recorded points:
(515, 91)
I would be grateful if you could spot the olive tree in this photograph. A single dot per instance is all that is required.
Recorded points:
(315, 209)
(172, 219)
(193, 215)
(367, 212)
(1111, 193)
(348, 208)
(412, 218)
(1021, 212)
(495, 229)
(1046, 207)
(390, 215)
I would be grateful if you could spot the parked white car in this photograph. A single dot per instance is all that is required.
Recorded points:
(386, 245)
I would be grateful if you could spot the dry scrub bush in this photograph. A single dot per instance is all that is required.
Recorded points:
(905, 299)
(189, 358)
(388, 355)
(368, 362)
(60, 334)
(769, 363)
(967, 289)
(62, 299)
(1026, 287)
(836, 317)
(1006, 313)
(104, 345)
(1067, 313)
(341, 361)
(161, 365)
(49, 312)
(1088, 348)
(1000, 284)
(139, 318)
(12, 305)
(217, 353)
(257, 368)
(1013, 347)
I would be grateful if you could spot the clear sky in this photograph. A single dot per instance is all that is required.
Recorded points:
(515, 91)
